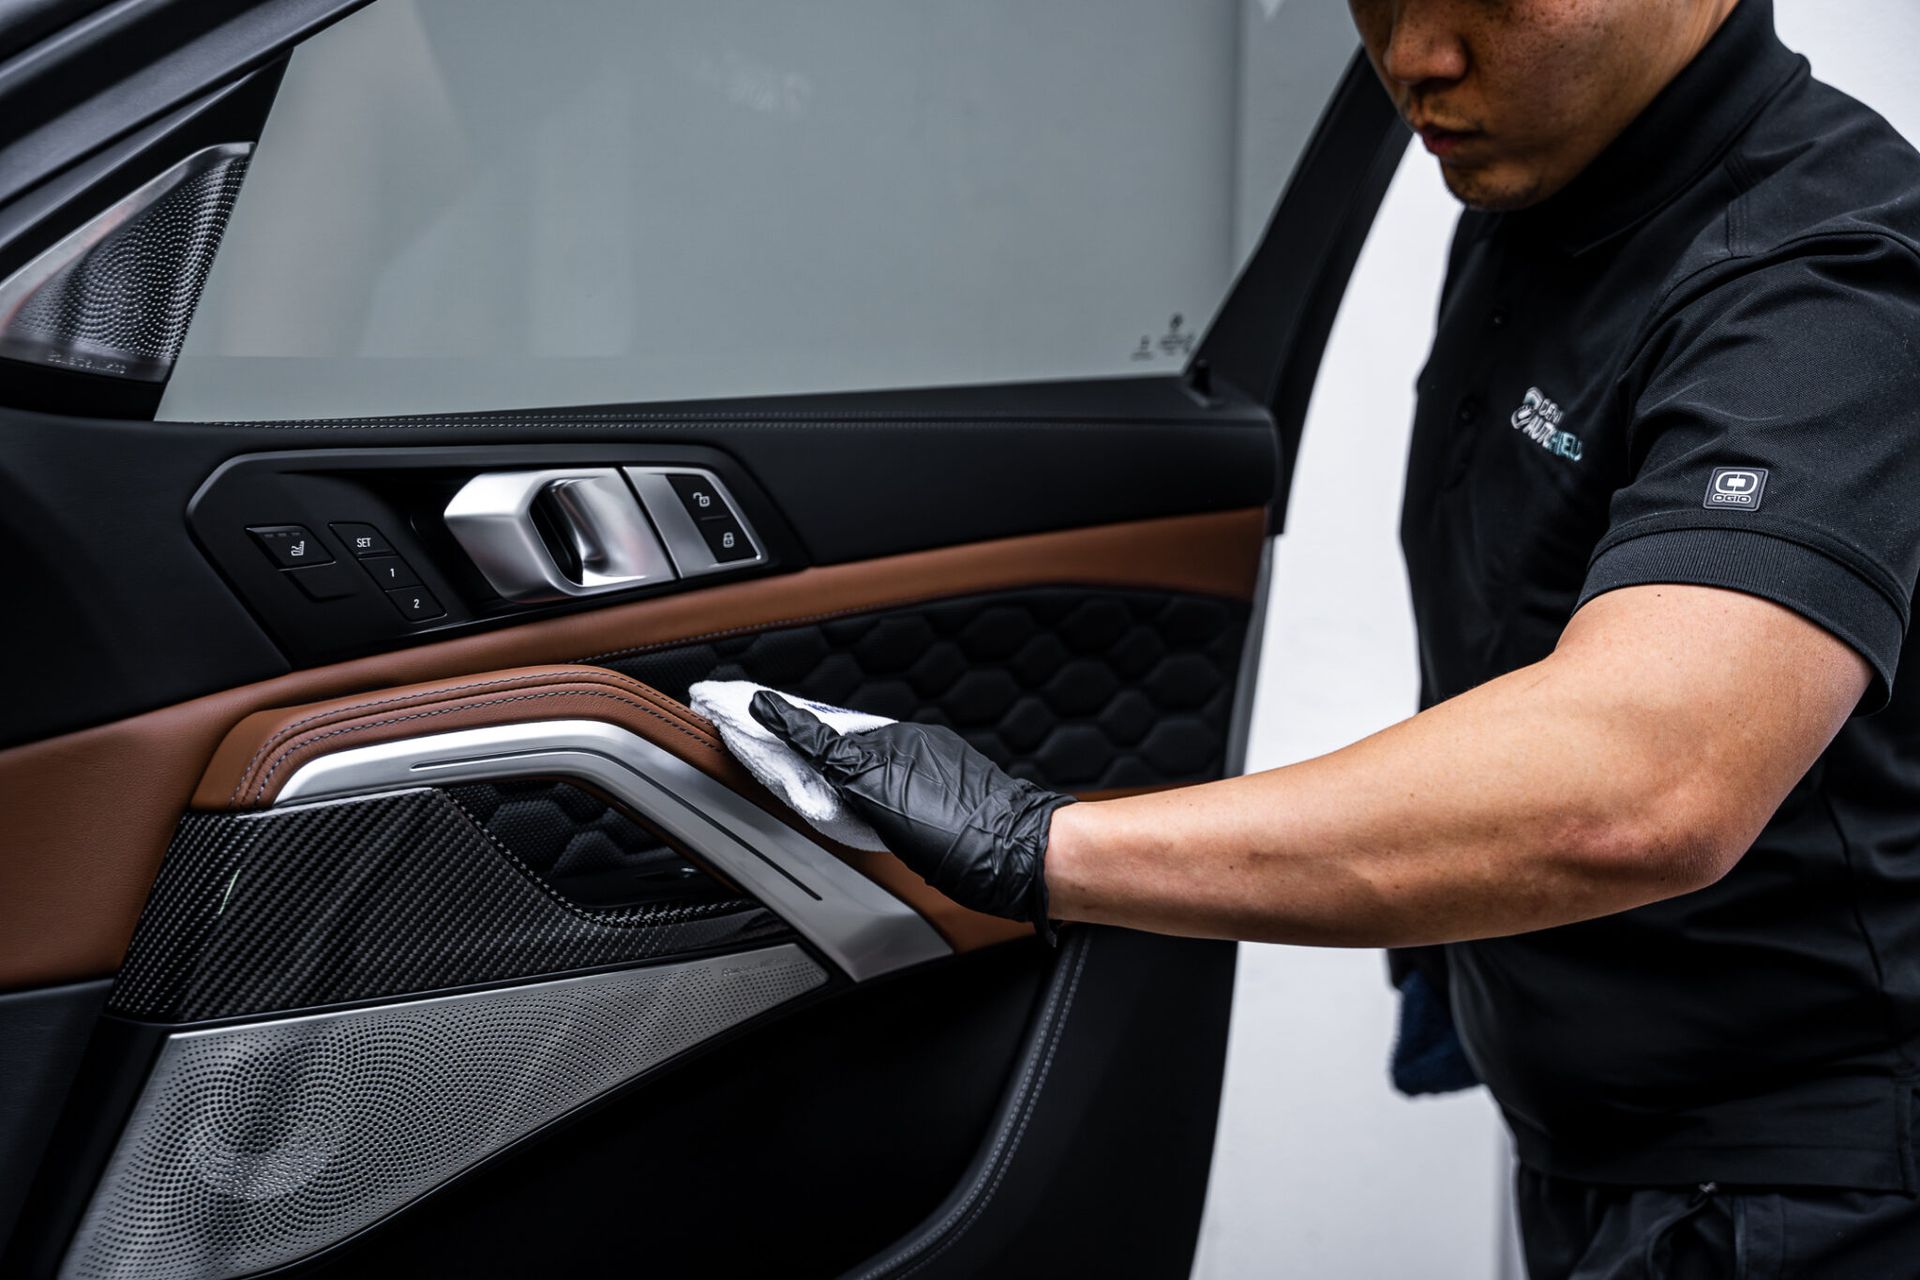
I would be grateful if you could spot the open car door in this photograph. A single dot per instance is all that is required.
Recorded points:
(402, 405)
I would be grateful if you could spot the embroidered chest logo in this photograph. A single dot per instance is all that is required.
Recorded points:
(1538, 418)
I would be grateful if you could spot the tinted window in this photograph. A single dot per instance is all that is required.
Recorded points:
(465, 204)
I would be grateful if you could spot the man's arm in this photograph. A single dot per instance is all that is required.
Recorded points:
(1637, 762)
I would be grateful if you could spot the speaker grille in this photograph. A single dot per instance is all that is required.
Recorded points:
(115, 297)
(253, 1146)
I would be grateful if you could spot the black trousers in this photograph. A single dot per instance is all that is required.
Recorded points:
(1579, 1231)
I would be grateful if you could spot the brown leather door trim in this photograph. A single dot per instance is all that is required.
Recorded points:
(261, 752)
(86, 816)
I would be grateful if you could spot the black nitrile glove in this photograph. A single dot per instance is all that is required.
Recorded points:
(969, 830)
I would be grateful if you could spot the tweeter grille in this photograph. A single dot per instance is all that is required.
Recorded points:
(115, 296)
(253, 1146)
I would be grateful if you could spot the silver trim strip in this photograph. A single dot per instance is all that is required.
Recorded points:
(690, 553)
(783, 953)
(861, 927)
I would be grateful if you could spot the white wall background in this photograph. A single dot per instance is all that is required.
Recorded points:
(1320, 1170)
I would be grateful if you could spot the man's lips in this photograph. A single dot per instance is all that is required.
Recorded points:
(1444, 142)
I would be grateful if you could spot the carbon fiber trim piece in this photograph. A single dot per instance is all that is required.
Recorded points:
(319, 904)
(1074, 688)
(254, 1146)
(858, 925)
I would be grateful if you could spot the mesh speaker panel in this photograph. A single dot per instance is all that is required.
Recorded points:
(116, 296)
(387, 895)
(1073, 688)
(253, 1146)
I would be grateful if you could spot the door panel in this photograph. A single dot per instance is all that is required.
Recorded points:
(78, 869)
(453, 941)
(95, 508)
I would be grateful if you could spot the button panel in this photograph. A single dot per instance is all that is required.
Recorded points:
(697, 518)
(397, 571)
(347, 591)
(290, 545)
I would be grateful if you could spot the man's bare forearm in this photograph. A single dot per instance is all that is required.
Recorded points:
(1605, 777)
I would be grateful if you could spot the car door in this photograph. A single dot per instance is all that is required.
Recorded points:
(402, 405)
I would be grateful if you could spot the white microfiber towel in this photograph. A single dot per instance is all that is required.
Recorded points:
(778, 767)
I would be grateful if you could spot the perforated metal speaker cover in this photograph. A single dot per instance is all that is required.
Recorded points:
(115, 296)
(256, 1145)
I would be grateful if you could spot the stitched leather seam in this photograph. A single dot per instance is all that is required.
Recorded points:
(1033, 1077)
(284, 732)
(999, 1174)
(425, 697)
(849, 420)
(259, 792)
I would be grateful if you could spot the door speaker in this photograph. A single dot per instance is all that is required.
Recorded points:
(253, 1146)
(114, 296)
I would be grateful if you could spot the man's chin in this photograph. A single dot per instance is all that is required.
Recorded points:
(1489, 189)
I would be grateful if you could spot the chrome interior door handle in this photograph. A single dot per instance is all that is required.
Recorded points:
(556, 534)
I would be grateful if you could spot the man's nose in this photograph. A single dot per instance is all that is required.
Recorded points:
(1425, 45)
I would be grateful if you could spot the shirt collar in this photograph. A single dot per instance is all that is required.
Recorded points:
(1680, 135)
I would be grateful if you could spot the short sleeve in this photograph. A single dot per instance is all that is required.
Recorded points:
(1774, 446)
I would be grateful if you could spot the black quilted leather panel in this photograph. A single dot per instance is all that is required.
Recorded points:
(1076, 688)
(589, 850)
(388, 895)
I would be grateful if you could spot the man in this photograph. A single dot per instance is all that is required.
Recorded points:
(1662, 526)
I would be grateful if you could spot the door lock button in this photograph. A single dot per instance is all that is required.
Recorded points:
(290, 545)
(416, 604)
(363, 539)
(391, 572)
(698, 495)
(726, 539)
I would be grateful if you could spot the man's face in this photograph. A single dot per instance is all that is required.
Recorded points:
(1516, 97)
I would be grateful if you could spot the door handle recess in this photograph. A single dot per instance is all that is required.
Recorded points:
(556, 534)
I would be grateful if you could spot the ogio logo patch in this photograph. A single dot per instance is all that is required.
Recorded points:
(1737, 488)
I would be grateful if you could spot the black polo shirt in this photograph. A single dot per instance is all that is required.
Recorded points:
(1700, 363)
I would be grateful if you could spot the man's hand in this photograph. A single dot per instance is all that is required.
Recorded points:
(968, 829)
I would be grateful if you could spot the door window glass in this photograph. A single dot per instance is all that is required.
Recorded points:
(485, 204)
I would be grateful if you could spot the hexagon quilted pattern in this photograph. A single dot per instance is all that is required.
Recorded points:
(590, 851)
(1075, 688)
